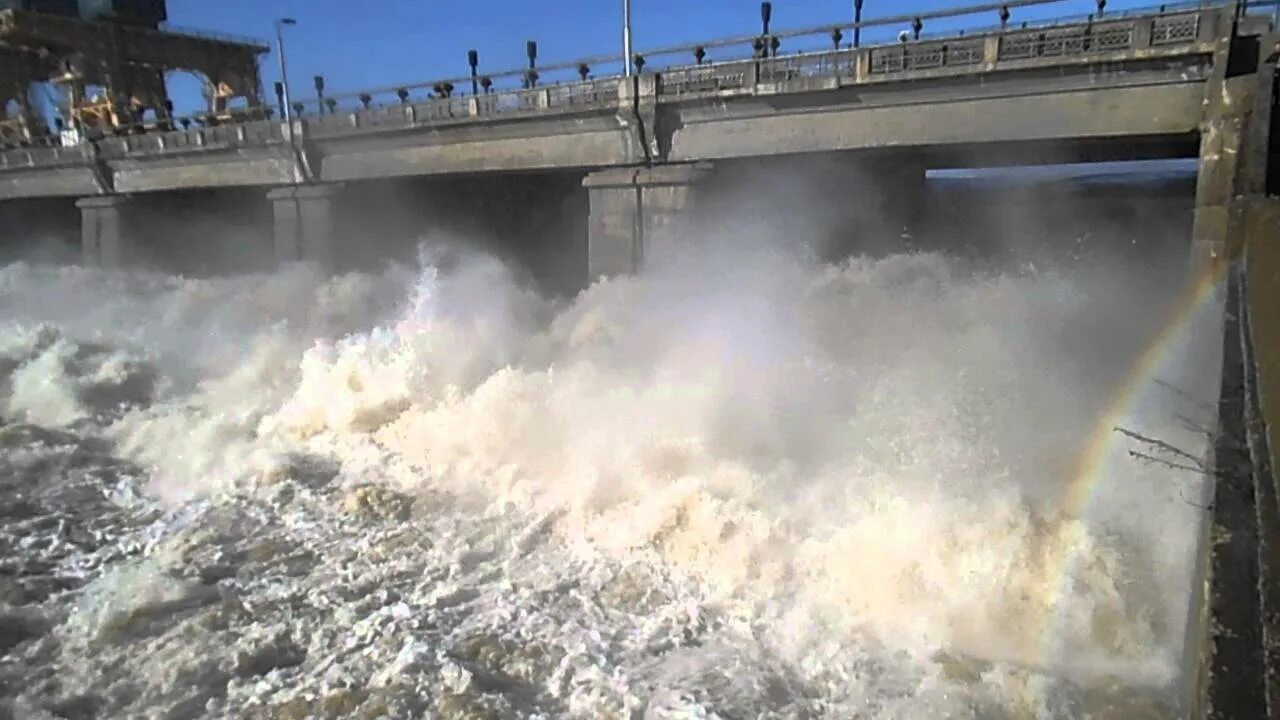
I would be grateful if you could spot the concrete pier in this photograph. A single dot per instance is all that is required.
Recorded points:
(633, 210)
(303, 226)
(108, 231)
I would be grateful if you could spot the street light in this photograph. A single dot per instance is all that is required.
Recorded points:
(857, 23)
(626, 37)
(284, 79)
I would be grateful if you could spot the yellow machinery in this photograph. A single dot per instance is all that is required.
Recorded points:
(113, 73)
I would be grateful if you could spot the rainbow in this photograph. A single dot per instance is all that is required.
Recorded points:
(1104, 449)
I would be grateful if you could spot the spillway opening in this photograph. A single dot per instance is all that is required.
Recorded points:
(836, 452)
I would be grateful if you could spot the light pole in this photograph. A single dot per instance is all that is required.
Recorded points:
(626, 37)
(284, 79)
(857, 23)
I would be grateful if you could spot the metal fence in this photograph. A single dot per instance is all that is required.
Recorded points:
(962, 52)
(548, 99)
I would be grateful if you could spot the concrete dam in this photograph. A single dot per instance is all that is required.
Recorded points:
(732, 383)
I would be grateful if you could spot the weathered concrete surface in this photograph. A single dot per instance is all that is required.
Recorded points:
(70, 181)
(1113, 113)
(1262, 280)
(582, 144)
(303, 227)
(631, 210)
(108, 235)
(264, 166)
(1235, 223)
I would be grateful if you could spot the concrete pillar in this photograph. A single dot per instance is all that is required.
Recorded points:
(1238, 224)
(108, 232)
(1233, 158)
(632, 210)
(303, 226)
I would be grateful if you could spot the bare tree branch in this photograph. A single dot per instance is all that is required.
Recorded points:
(1198, 469)
(1208, 407)
(1162, 446)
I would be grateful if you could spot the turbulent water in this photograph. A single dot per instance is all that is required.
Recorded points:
(759, 488)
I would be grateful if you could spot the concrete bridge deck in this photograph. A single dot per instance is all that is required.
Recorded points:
(1114, 87)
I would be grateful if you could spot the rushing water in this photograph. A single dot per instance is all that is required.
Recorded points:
(763, 487)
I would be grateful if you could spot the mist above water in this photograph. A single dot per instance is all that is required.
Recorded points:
(856, 466)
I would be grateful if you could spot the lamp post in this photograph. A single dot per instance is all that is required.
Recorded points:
(473, 59)
(857, 23)
(284, 80)
(626, 37)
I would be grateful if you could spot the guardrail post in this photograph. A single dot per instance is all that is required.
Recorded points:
(862, 65)
(991, 50)
(1142, 33)
(1208, 24)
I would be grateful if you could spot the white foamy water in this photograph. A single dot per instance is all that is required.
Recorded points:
(757, 488)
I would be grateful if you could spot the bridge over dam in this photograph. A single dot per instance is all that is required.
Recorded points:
(1142, 85)
(595, 175)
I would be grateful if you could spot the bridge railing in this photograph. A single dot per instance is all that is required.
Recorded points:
(962, 52)
(247, 134)
(38, 156)
(540, 100)
(1168, 25)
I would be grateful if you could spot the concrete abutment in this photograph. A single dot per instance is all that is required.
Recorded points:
(1236, 230)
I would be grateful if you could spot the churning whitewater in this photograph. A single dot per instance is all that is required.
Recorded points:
(765, 488)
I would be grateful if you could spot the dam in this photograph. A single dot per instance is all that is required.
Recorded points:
(596, 183)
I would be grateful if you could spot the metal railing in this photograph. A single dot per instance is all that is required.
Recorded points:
(220, 37)
(545, 99)
(962, 52)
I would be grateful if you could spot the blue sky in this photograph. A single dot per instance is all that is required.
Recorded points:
(357, 45)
